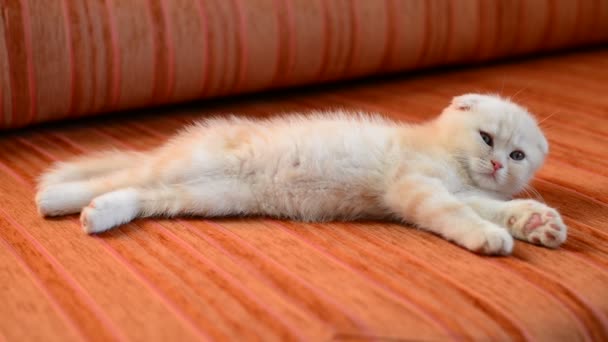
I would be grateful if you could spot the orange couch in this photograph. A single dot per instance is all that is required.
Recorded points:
(260, 279)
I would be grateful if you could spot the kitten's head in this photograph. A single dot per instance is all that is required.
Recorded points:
(497, 141)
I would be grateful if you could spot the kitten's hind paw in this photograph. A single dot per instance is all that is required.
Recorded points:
(109, 211)
(62, 199)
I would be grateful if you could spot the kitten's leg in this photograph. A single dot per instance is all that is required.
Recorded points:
(71, 197)
(427, 203)
(526, 219)
(86, 167)
(121, 206)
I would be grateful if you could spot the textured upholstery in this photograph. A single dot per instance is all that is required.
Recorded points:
(259, 279)
(62, 58)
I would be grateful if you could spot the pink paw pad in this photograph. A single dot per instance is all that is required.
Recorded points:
(536, 240)
(550, 236)
(512, 220)
(550, 214)
(533, 223)
(555, 226)
(92, 204)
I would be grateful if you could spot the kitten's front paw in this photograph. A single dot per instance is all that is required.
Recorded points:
(61, 199)
(490, 240)
(536, 223)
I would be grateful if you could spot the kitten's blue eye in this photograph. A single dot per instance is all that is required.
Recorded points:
(517, 155)
(486, 138)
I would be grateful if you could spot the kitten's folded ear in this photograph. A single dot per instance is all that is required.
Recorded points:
(466, 102)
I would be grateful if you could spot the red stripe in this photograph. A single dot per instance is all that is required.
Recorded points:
(278, 72)
(205, 46)
(197, 254)
(230, 278)
(159, 294)
(68, 38)
(417, 309)
(426, 36)
(195, 231)
(116, 67)
(521, 18)
(351, 315)
(3, 123)
(489, 308)
(242, 42)
(45, 291)
(582, 303)
(449, 22)
(93, 71)
(476, 52)
(574, 39)
(353, 48)
(154, 96)
(171, 306)
(292, 38)
(390, 36)
(27, 32)
(327, 37)
(549, 25)
(170, 45)
(14, 174)
(79, 291)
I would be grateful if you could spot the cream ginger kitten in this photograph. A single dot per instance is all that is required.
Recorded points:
(453, 176)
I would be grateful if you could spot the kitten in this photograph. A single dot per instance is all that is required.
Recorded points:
(453, 175)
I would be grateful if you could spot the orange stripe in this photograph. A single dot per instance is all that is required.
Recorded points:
(570, 293)
(353, 46)
(421, 58)
(476, 52)
(449, 22)
(549, 25)
(154, 289)
(322, 295)
(196, 232)
(14, 174)
(205, 45)
(116, 60)
(68, 38)
(242, 41)
(170, 45)
(502, 318)
(327, 37)
(167, 233)
(197, 255)
(390, 36)
(292, 38)
(93, 71)
(406, 302)
(286, 43)
(170, 305)
(45, 291)
(31, 77)
(78, 290)
(253, 271)
(227, 276)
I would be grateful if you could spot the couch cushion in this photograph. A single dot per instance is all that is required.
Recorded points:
(65, 59)
(240, 279)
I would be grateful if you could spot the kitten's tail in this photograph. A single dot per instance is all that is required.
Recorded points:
(86, 167)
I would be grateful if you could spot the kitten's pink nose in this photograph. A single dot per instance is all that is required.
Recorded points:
(496, 165)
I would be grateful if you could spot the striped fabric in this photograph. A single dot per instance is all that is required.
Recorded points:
(267, 280)
(62, 59)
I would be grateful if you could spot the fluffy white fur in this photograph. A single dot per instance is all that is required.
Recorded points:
(441, 175)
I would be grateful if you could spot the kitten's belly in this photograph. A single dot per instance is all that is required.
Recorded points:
(314, 188)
